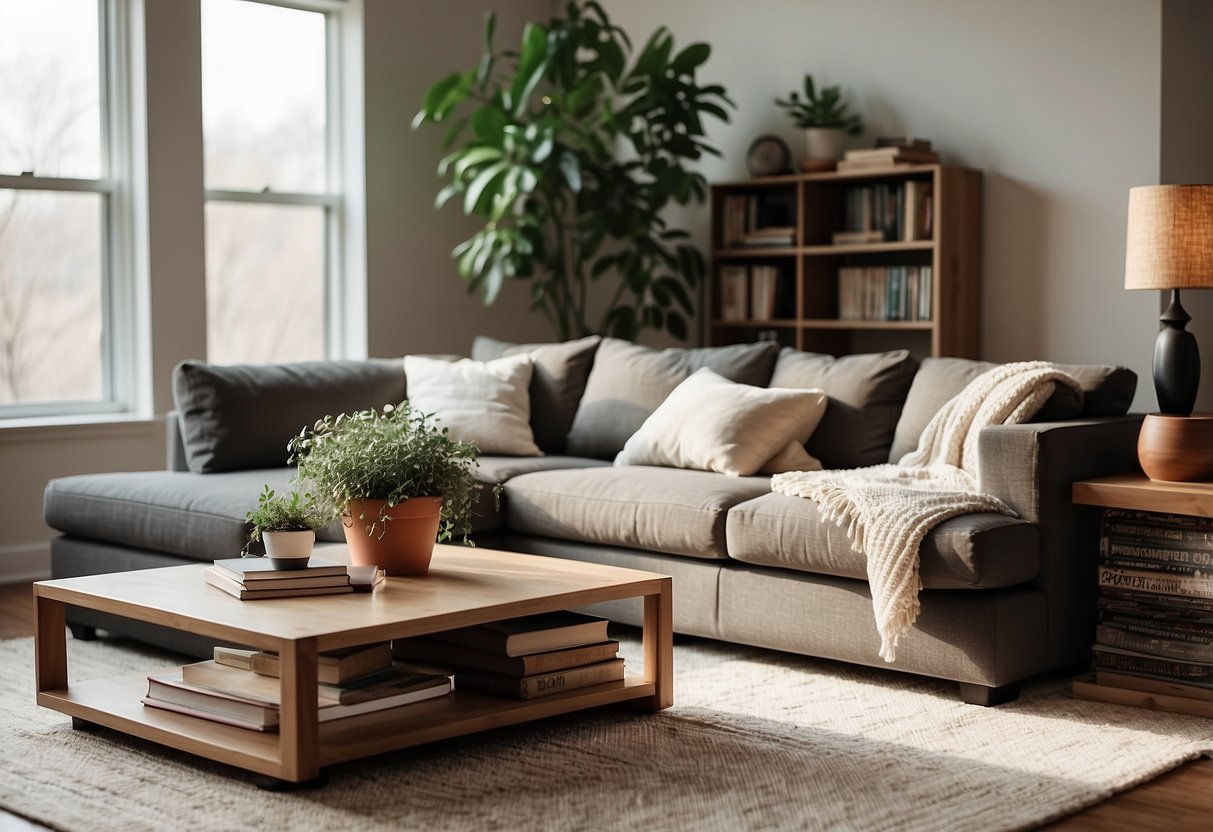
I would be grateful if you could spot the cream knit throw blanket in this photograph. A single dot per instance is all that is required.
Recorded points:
(889, 509)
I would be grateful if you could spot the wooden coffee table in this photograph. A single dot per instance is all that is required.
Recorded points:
(465, 586)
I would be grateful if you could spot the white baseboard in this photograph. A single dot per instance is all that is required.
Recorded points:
(19, 564)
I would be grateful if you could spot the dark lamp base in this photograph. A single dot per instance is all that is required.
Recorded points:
(1176, 448)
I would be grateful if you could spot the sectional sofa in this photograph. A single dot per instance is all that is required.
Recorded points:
(1003, 598)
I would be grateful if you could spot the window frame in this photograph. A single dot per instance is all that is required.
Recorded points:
(333, 198)
(119, 385)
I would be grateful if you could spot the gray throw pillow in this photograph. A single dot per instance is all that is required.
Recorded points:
(241, 416)
(557, 382)
(866, 393)
(1105, 391)
(628, 382)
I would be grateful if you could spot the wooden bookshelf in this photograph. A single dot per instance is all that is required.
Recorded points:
(814, 206)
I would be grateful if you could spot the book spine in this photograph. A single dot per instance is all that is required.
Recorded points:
(1159, 584)
(1159, 524)
(1136, 681)
(1197, 632)
(1187, 672)
(1166, 553)
(1163, 647)
(1159, 566)
(1199, 608)
(532, 687)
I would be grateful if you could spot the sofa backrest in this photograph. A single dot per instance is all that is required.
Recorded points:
(1106, 391)
(241, 416)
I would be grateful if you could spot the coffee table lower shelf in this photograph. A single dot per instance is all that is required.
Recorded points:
(116, 703)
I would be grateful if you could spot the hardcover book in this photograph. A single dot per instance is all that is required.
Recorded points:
(426, 649)
(544, 684)
(531, 633)
(235, 588)
(262, 569)
(336, 666)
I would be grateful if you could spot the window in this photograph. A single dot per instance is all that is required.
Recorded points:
(271, 163)
(62, 270)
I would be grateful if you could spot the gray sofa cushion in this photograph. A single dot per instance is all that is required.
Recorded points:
(1106, 391)
(490, 512)
(557, 381)
(975, 551)
(866, 393)
(628, 382)
(657, 509)
(241, 416)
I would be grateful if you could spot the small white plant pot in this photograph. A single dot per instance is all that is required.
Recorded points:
(823, 143)
(289, 550)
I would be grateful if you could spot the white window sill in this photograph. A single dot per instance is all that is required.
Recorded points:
(79, 426)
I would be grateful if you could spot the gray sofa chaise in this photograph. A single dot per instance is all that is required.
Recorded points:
(1003, 598)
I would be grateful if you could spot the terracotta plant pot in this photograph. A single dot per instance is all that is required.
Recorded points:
(402, 545)
(289, 550)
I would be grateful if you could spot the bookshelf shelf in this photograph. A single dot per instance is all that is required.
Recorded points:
(918, 288)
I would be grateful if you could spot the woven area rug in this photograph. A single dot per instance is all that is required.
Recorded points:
(756, 740)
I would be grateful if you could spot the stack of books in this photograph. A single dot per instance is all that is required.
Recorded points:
(884, 293)
(887, 213)
(241, 687)
(522, 658)
(1154, 640)
(252, 578)
(752, 220)
(901, 152)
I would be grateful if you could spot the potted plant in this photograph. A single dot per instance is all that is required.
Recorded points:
(400, 482)
(571, 150)
(824, 118)
(287, 524)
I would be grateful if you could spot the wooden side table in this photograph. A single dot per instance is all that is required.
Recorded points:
(1138, 493)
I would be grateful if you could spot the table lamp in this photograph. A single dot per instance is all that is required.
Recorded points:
(1170, 246)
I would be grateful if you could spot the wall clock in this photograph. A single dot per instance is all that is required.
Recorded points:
(768, 156)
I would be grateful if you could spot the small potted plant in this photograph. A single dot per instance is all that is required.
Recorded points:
(824, 118)
(287, 524)
(400, 482)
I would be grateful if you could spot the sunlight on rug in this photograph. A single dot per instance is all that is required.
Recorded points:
(756, 740)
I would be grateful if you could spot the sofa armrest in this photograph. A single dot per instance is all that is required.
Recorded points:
(174, 444)
(1032, 467)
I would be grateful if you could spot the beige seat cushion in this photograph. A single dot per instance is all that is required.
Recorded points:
(975, 551)
(489, 514)
(658, 509)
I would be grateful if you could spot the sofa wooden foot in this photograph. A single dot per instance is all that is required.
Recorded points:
(83, 632)
(986, 696)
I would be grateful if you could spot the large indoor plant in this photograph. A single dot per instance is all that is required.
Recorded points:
(572, 153)
(824, 117)
(402, 483)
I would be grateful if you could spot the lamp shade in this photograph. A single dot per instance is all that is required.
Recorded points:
(1170, 239)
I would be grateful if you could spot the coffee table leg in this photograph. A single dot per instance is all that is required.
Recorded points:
(299, 734)
(659, 646)
(50, 644)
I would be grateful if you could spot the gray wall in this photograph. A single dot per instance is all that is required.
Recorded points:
(1059, 102)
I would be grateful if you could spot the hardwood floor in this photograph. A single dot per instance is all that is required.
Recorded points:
(1178, 801)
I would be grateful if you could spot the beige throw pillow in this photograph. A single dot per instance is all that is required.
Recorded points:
(712, 424)
(486, 402)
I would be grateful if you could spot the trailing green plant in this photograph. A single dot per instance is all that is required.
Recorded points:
(574, 152)
(293, 512)
(393, 455)
(826, 109)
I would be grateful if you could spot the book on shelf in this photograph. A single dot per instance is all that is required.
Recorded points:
(734, 293)
(753, 219)
(426, 649)
(334, 666)
(899, 211)
(399, 685)
(1136, 681)
(889, 154)
(234, 657)
(1160, 626)
(235, 588)
(763, 284)
(532, 633)
(1163, 553)
(909, 141)
(884, 293)
(1157, 583)
(1170, 567)
(1169, 648)
(170, 692)
(1119, 659)
(849, 238)
(543, 684)
(247, 570)
(1200, 609)
(1087, 687)
(1135, 523)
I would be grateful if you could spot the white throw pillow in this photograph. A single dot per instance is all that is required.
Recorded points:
(486, 402)
(712, 424)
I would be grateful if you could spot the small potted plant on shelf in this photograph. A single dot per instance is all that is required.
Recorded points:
(400, 482)
(287, 524)
(824, 117)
